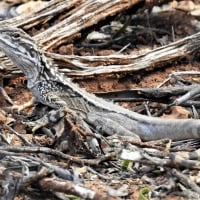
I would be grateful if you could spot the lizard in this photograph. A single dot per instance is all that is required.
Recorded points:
(52, 88)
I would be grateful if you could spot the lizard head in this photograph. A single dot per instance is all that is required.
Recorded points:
(22, 51)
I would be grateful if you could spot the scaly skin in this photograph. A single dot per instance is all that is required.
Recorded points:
(53, 89)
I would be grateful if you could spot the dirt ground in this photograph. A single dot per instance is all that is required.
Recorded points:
(15, 87)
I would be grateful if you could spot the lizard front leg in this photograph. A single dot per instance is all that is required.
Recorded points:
(21, 107)
(51, 117)
(54, 115)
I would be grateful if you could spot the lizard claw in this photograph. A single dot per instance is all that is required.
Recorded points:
(18, 108)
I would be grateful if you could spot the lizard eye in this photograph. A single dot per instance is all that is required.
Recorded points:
(16, 35)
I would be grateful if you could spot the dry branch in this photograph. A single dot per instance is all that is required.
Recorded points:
(40, 15)
(86, 65)
(80, 15)
(148, 61)
(85, 15)
(51, 184)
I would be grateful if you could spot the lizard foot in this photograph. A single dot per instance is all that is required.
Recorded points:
(19, 108)
(52, 116)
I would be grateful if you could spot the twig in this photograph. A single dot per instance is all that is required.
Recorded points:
(24, 140)
(51, 184)
(59, 154)
(186, 181)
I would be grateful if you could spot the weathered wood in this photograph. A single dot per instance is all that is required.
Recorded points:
(87, 65)
(85, 15)
(40, 15)
(78, 15)
(83, 65)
